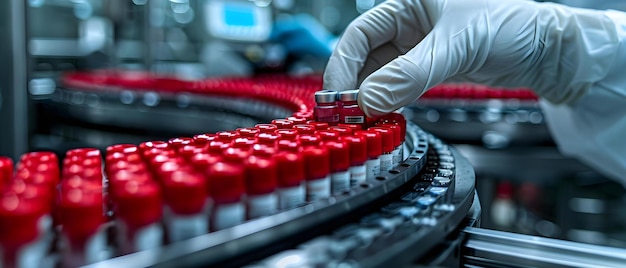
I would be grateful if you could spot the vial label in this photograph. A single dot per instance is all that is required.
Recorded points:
(373, 168)
(386, 162)
(181, 227)
(262, 205)
(318, 189)
(292, 197)
(397, 157)
(340, 181)
(148, 237)
(358, 174)
(350, 119)
(228, 215)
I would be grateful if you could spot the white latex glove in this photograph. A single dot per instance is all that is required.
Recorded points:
(396, 51)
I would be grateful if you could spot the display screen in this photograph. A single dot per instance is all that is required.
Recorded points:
(238, 15)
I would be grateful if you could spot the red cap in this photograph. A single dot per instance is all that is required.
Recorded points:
(235, 155)
(358, 149)
(386, 137)
(138, 203)
(268, 138)
(116, 166)
(310, 140)
(202, 162)
(152, 152)
(165, 170)
(80, 212)
(185, 192)
(263, 150)
(189, 150)
(144, 146)
(297, 120)
(328, 135)
(304, 128)
(249, 132)
(318, 125)
(397, 119)
(374, 142)
(287, 134)
(177, 143)
(342, 130)
(217, 146)
(40, 193)
(133, 157)
(316, 162)
(121, 148)
(203, 139)
(339, 153)
(19, 220)
(226, 182)
(397, 133)
(351, 126)
(83, 152)
(6, 170)
(283, 123)
(290, 146)
(244, 143)
(290, 169)
(304, 114)
(119, 178)
(266, 128)
(42, 156)
(227, 136)
(260, 175)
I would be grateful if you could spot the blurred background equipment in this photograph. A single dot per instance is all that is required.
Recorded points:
(93, 73)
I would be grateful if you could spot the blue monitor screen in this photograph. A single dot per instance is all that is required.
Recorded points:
(238, 15)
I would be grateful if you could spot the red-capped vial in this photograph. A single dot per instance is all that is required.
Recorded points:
(304, 128)
(22, 242)
(396, 119)
(227, 136)
(226, 185)
(41, 156)
(248, 132)
(319, 125)
(166, 169)
(187, 205)
(236, 155)
(261, 184)
(289, 146)
(374, 150)
(266, 128)
(386, 158)
(244, 143)
(179, 142)
(328, 135)
(6, 171)
(358, 157)
(350, 113)
(317, 168)
(310, 140)
(121, 177)
(339, 153)
(297, 120)
(268, 138)
(263, 150)
(290, 177)
(138, 208)
(287, 134)
(326, 109)
(283, 123)
(82, 218)
(341, 130)
(202, 162)
(397, 142)
(203, 139)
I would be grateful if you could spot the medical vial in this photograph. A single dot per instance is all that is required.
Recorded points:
(290, 177)
(326, 109)
(358, 157)
(339, 154)
(386, 158)
(317, 170)
(350, 113)
(137, 207)
(226, 186)
(374, 150)
(186, 205)
(397, 142)
(261, 184)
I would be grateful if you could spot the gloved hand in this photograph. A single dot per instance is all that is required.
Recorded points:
(401, 48)
(574, 59)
